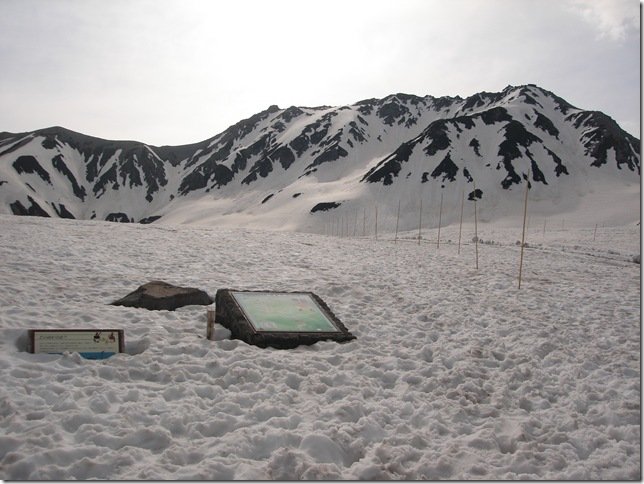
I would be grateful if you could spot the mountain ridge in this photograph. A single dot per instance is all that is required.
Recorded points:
(373, 151)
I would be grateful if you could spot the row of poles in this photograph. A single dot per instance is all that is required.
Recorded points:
(340, 229)
(341, 226)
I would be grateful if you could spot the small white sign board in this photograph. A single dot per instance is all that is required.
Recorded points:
(93, 344)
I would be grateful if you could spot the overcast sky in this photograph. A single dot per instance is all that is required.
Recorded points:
(180, 71)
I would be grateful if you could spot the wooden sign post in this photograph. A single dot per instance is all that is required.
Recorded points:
(376, 222)
(476, 231)
(460, 227)
(525, 212)
(440, 215)
(210, 323)
(420, 219)
(397, 219)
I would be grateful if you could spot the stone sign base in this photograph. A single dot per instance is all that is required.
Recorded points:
(278, 319)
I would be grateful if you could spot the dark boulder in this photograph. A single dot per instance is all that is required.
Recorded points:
(159, 295)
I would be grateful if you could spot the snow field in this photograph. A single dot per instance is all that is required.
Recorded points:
(455, 374)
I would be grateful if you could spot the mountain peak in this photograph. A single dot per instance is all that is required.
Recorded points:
(280, 163)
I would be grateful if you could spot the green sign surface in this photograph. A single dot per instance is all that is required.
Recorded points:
(287, 312)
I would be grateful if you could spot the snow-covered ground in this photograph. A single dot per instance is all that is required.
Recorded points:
(455, 373)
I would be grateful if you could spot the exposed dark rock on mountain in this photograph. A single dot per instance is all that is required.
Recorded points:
(8, 143)
(437, 134)
(447, 168)
(201, 177)
(29, 164)
(149, 220)
(59, 163)
(546, 125)
(118, 217)
(284, 156)
(475, 194)
(390, 166)
(358, 133)
(332, 153)
(392, 112)
(516, 137)
(324, 206)
(18, 208)
(560, 169)
(467, 175)
(474, 143)
(62, 211)
(495, 115)
(604, 134)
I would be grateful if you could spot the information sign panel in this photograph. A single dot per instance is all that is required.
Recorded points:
(278, 319)
(93, 344)
(290, 312)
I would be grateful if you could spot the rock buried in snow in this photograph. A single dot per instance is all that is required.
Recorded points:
(159, 295)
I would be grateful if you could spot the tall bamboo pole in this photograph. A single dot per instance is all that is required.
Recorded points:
(440, 214)
(376, 221)
(525, 212)
(397, 219)
(460, 228)
(476, 230)
(355, 224)
(420, 219)
(595, 233)
(364, 222)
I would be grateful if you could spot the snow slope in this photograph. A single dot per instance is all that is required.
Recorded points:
(455, 373)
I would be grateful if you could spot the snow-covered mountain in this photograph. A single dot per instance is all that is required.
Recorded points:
(302, 168)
